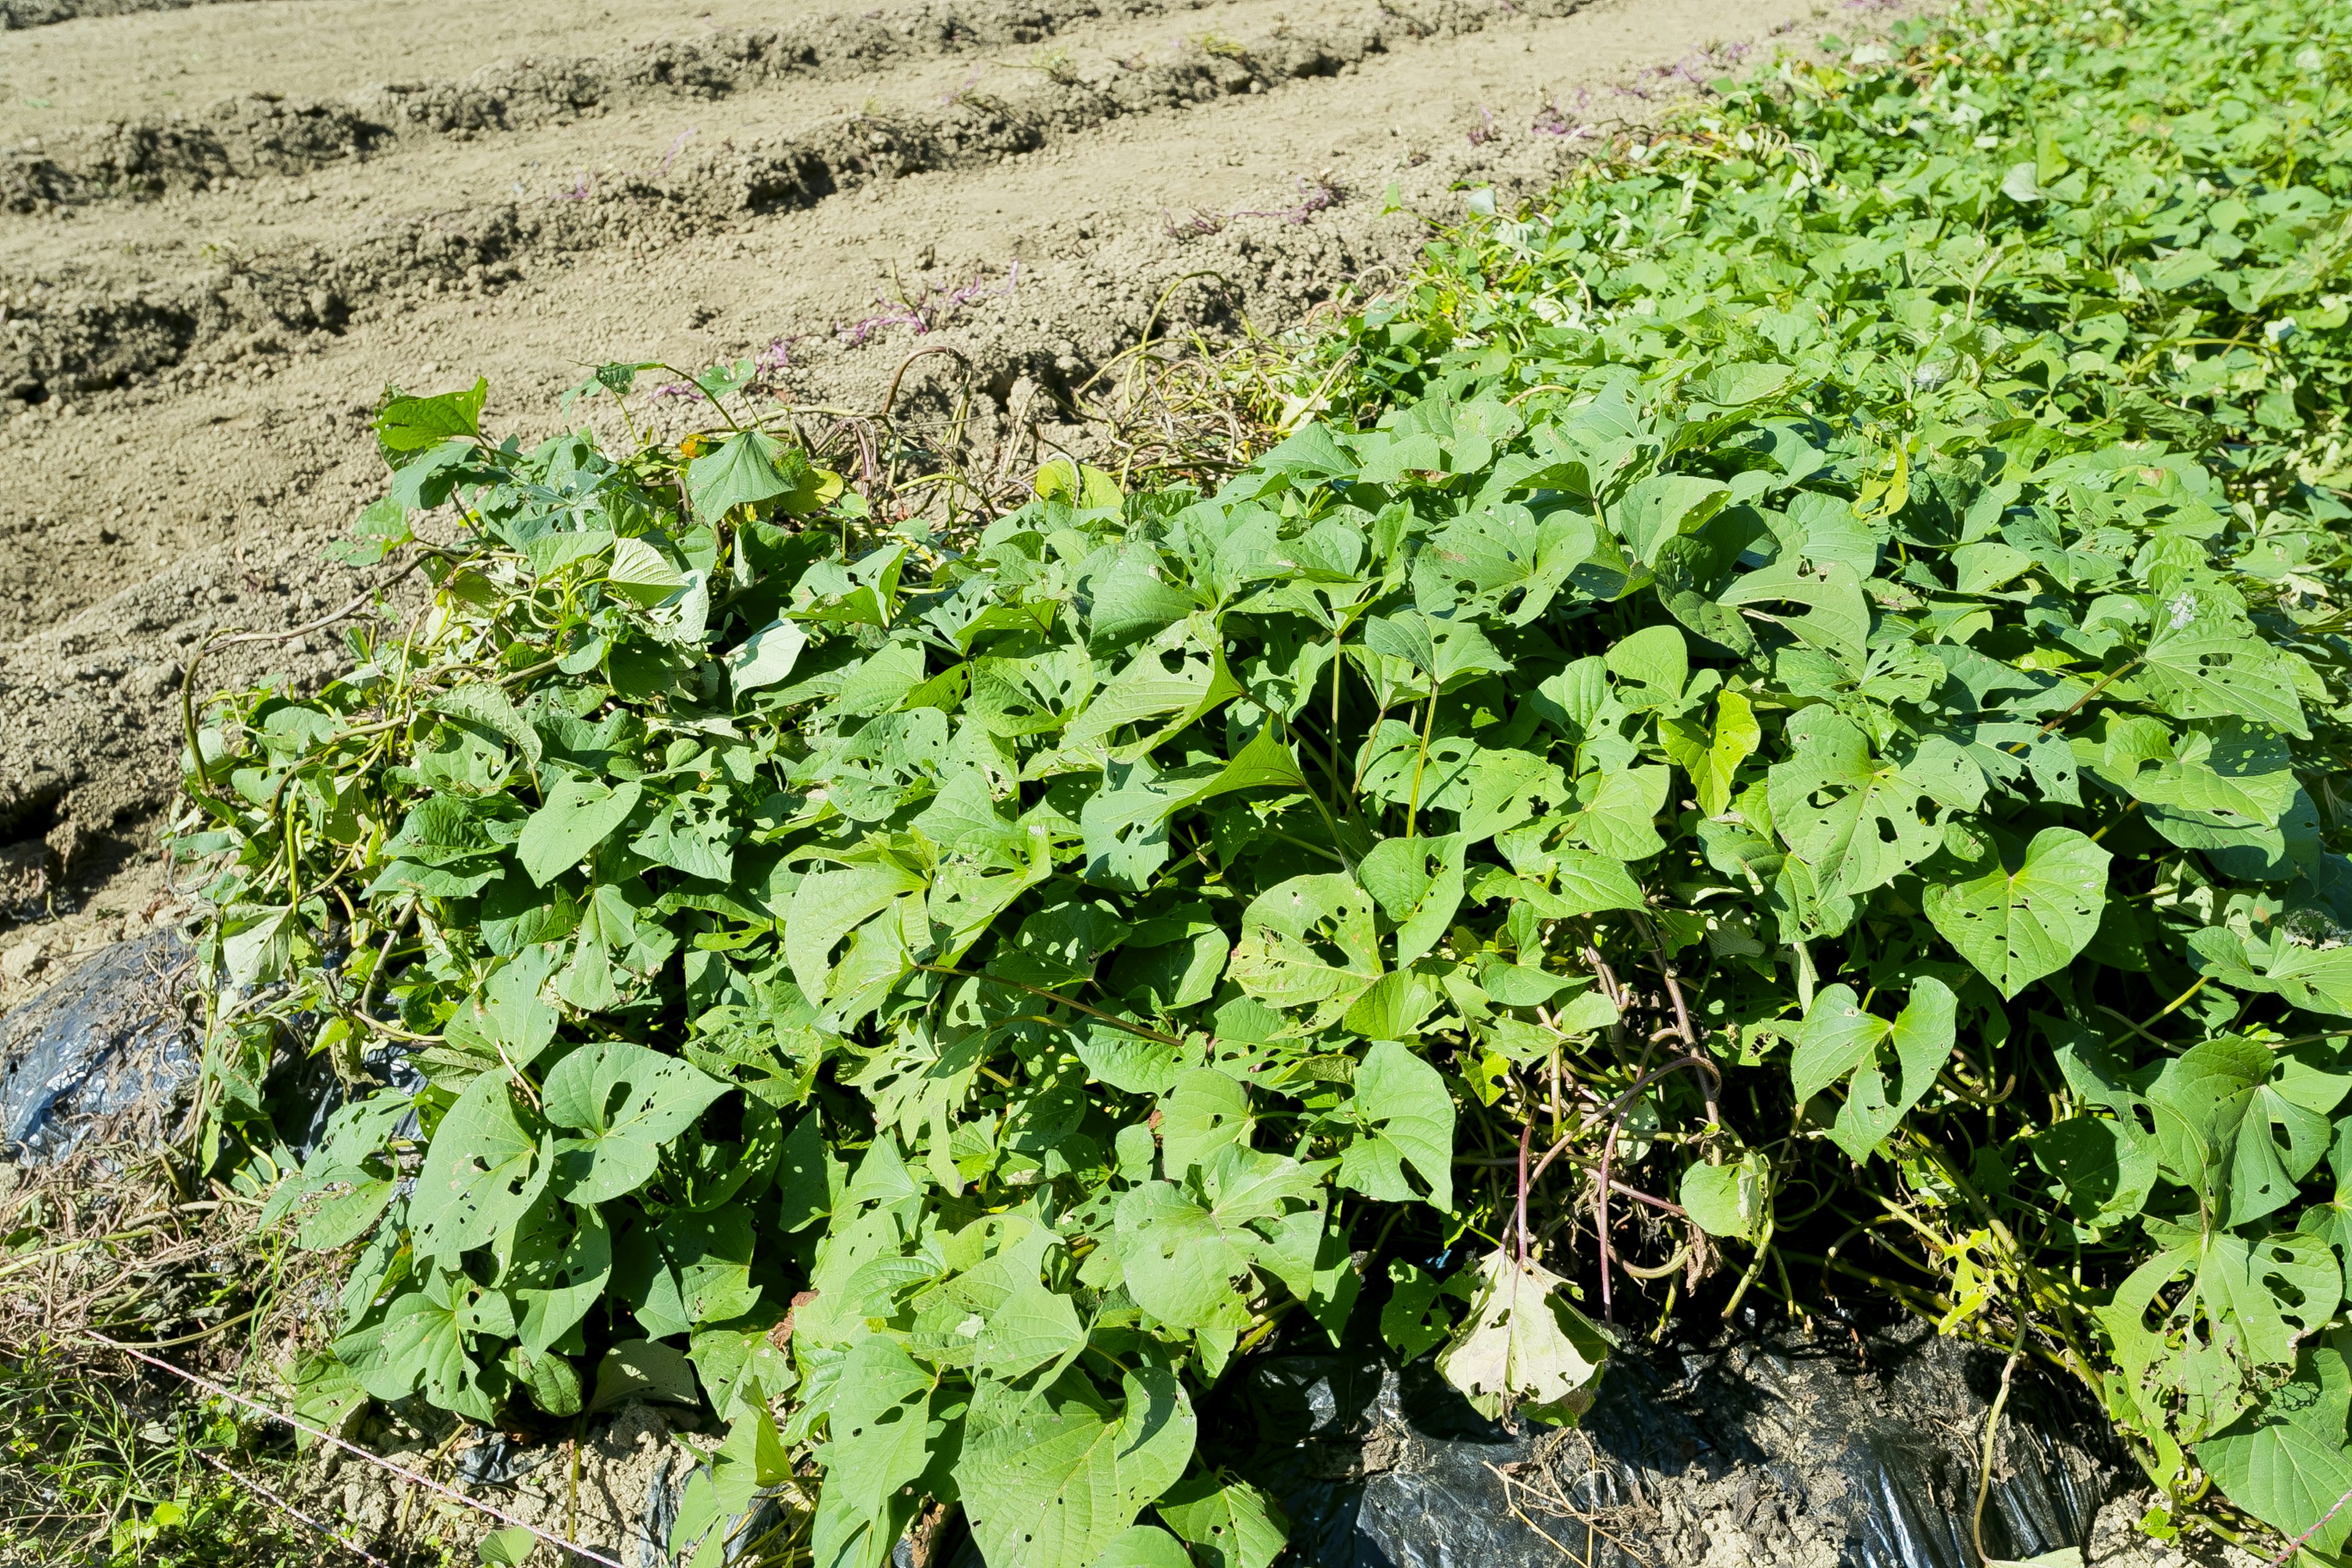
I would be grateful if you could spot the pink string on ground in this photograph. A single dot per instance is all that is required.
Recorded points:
(376, 1460)
(249, 1483)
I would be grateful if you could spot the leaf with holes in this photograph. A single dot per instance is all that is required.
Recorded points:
(628, 1103)
(1056, 1487)
(2018, 926)
(485, 1168)
(1524, 1343)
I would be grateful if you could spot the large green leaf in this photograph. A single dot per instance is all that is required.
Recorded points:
(1418, 883)
(1409, 1117)
(1188, 1249)
(1712, 758)
(1839, 1040)
(627, 1103)
(2204, 670)
(2288, 1461)
(2207, 1347)
(1309, 943)
(579, 815)
(880, 1431)
(1057, 1487)
(1230, 1523)
(424, 1347)
(744, 469)
(2018, 926)
(482, 1173)
(1854, 820)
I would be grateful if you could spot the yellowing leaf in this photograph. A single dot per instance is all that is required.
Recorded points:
(1524, 1343)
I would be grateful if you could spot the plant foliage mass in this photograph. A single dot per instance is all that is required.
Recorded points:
(1802, 677)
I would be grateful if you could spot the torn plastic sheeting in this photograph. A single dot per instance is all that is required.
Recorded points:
(1378, 1468)
(107, 1040)
(1784, 1451)
(1920, 1496)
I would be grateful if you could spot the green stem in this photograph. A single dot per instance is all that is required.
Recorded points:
(1113, 1020)
(1428, 727)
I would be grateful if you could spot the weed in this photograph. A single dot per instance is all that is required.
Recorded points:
(1318, 194)
(1057, 63)
(1190, 226)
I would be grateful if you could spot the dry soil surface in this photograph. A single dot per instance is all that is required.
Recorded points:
(226, 227)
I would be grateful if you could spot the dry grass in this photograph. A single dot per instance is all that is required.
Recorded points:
(99, 1462)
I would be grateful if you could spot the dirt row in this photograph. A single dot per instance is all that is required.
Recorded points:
(191, 371)
(17, 14)
(104, 322)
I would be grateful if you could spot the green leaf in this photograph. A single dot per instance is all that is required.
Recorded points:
(1187, 1250)
(2018, 926)
(1132, 599)
(643, 575)
(1619, 822)
(2288, 1461)
(643, 1369)
(1726, 1200)
(1652, 666)
(1414, 1320)
(563, 1262)
(743, 470)
(1841, 1041)
(511, 1545)
(1080, 484)
(1309, 941)
(827, 906)
(579, 815)
(2246, 1306)
(1266, 763)
(1029, 1327)
(482, 703)
(1443, 651)
(1836, 618)
(1854, 820)
(1054, 1489)
(482, 1173)
(1405, 1099)
(2203, 670)
(413, 423)
(766, 656)
(424, 1348)
(881, 1433)
(1144, 1546)
(1205, 1111)
(1658, 506)
(630, 1103)
(2107, 1168)
(1418, 883)
(1712, 760)
(1524, 1344)
(1230, 1523)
